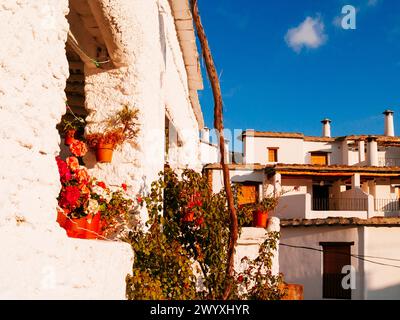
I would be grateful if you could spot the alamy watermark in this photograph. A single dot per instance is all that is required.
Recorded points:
(349, 280)
(349, 20)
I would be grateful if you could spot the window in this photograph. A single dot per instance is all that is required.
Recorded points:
(248, 193)
(319, 158)
(336, 255)
(272, 154)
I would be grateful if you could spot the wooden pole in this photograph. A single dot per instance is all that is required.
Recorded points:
(218, 124)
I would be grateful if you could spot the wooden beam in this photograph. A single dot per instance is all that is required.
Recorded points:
(75, 88)
(77, 77)
(76, 65)
(110, 30)
(337, 174)
(76, 100)
(81, 41)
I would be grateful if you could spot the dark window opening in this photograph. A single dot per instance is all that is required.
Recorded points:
(335, 257)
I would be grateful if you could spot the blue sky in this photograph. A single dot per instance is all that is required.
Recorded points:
(285, 65)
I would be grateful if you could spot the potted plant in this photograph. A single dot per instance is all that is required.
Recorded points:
(261, 211)
(87, 207)
(121, 127)
(71, 124)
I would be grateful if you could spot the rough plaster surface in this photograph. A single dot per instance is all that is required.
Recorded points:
(37, 259)
(154, 81)
(249, 244)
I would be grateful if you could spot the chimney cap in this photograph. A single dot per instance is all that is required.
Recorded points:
(386, 112)
(326, 120)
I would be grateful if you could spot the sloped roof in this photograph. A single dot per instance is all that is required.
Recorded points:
(187, 41)
(340, 221)
(381, 139)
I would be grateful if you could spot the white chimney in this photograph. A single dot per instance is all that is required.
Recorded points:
(389, 125)
(326, 128)
(372, 151)
(205, 134)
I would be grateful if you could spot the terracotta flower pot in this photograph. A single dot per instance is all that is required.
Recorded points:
(61, 218)
(293, 291)
(260, 219)
(94, 226)
(69, 137)
(76, 228)
(104, 152)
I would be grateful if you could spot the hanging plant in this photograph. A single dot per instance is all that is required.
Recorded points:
(71, 124)
(121, 127)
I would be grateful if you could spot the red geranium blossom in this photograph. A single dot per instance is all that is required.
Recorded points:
(102, 184)
(124, 186)
(65, 174)
(70, 196)
(72, 163)
(78, 148)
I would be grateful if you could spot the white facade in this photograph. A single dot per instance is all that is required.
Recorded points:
(360, 178)
(148, 68)
(375, 244)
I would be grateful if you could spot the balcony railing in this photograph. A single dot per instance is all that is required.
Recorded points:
(387, 205)
(339, 204)
(389, 162)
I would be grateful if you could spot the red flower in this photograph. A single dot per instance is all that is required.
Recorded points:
(65, 174)
(240, 279)
(70, 196)
(72, 163)
(102, 184)
(188, 217)
(199, 221)
(124, 186)
(139, 199)
(78, 148)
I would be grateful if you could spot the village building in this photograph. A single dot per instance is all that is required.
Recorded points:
(89, 59)
(339, 206)
(95, 56)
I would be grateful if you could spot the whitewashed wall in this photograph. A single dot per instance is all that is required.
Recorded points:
(382, 282)
(304, 267)
(236, 176)
(373, 281)
(209, 153)
(155, 81)
(256, 149)
(38, 260)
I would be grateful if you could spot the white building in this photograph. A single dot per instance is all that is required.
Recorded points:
(97, 55)
(339, 194)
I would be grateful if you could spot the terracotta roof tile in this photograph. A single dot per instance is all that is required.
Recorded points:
(340, 221)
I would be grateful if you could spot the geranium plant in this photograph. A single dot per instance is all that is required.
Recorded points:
(71, 124)
(84, 199)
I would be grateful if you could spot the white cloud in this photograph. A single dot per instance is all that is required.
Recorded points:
(309, 34)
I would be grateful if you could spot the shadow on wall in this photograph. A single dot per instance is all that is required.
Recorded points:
(388, 293)
(291, 206)
(302, 267)
(252, 177)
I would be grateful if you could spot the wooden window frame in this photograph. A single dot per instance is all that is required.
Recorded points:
(329, 292)
(275, 150)
(317, 153)
(251, 184)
